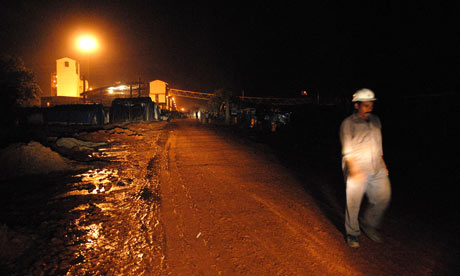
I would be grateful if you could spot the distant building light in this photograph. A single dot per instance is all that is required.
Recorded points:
(90, 89)
(120, 87)
(123, 87)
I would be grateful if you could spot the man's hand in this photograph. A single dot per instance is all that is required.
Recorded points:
(354, 172)
(358, 176)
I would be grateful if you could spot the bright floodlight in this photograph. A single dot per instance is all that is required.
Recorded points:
(87, 43)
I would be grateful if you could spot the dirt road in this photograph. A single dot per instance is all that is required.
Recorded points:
(230, 208)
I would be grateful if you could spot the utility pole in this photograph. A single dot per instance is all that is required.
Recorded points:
(227, 109)
(88, 68)
(139, 91)
(84, 89)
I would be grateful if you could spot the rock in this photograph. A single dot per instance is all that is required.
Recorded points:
(69, 143)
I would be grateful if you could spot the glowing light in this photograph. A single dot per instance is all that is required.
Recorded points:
(113, 89)
(87, 43)
(123, 87)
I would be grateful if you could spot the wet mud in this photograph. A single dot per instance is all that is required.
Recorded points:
(103, 219)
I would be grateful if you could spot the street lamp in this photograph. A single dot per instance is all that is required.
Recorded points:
(87, 44)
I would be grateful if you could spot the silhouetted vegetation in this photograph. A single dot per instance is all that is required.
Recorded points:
(18, 88)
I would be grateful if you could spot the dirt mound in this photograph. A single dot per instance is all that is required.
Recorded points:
(31, 158)
(13, 244)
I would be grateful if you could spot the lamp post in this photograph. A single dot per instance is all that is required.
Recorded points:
(87, 44)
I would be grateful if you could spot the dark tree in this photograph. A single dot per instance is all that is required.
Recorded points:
(18, 87)
(223, 96)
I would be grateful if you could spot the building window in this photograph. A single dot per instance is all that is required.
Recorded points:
(66, 63)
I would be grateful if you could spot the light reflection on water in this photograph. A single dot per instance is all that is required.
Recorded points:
(80, 207)
(115, 153)
(110, 225)
(92, 235)
(96, 181)
(114, 231)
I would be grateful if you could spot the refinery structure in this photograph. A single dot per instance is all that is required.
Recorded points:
(69, 87)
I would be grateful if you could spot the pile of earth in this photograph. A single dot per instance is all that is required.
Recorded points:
(21, 159)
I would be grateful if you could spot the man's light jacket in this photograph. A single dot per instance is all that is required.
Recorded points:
(362, 140)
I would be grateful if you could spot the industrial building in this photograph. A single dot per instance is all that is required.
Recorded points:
(66, 84)
(157, 90)
(68, 87)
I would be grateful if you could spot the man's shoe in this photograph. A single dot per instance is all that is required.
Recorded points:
(352, 241)
(372, 233)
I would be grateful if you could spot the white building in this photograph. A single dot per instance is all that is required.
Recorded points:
(159, 93)
(68, 79)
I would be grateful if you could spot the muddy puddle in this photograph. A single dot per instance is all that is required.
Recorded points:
(103, 219)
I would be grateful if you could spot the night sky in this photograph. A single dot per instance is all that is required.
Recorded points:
(274, 49)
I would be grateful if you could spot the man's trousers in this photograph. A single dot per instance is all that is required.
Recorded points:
(378, 191)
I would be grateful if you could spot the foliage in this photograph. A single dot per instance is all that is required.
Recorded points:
(221, 94)
(18, 86)
(222, 98)
(219, 99)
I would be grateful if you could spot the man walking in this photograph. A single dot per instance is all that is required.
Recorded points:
(364, 169)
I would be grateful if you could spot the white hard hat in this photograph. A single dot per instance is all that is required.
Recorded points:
(364, 95)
